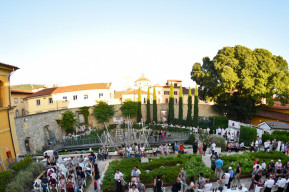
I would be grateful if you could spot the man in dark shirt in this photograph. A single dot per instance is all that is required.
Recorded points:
(81, 173)
(177, 186)
(44, 182)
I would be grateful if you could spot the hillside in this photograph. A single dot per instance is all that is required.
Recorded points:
(27, 87)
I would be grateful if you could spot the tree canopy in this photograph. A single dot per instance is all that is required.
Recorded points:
(68, 121)
(237, 78)
(103, 112)
(129, 108)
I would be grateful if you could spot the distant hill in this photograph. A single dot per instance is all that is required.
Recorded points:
(27, 87)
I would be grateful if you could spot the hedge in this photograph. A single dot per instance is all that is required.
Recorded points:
(9, 174)
(278, 135)
(165, 166)
(247, 135)
(247, 160)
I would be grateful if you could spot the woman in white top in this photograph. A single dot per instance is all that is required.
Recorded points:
(167, 149)
(207, 185)
(133, 188)
(192, 185)
(161, 148)
(142, 150)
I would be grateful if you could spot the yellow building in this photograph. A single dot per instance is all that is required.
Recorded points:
(276, 113)
(8, 139)
(17, 100)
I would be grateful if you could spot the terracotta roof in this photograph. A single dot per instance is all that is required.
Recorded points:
(278, 105)
(274, 115)
(71, 88)
(9, 66)
(21, 91)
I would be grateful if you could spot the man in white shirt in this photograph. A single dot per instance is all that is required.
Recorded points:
(118, 176)
(227, 178)
(278, 165)
(266, 146)
(128, 150)
(269, 184)
(256, 145)
(208, 186)
(213, 147)
(281, 184)
(136, 173)
(219, 131)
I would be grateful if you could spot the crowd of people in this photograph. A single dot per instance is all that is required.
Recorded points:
(70, 173)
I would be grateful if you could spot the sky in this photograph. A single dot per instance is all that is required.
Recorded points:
(72, 42)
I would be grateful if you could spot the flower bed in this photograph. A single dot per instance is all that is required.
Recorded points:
(169, 167)
(247, 160)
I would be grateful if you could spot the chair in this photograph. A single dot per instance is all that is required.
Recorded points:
(37, 185)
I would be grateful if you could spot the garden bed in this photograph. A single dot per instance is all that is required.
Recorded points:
(168, 167)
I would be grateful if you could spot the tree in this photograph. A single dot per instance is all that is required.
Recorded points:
(155, 108)
(238, 78)
(181, 106)
(129, 108)
(189, 113)
(171, 105)
(85, 111)
(103, 112)
(148, 106)
(68, 121)
(139, 114)
(196, 109)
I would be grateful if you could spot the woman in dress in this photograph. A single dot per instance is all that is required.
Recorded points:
(62, 182)
(96, 176)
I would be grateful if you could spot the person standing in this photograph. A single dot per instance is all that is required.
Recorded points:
(192, 185)
(219, 165)
(281, 184)
(177, 186)
(231, 172)
(204, 148)
(128, 151)
(213, 147)
(269, 184)
(118, 176)
(237, 174)
(141, 186)
(183, 177)
(195, 146)
(256, 145)
(96, 176)
(176, 148)
(158, 184)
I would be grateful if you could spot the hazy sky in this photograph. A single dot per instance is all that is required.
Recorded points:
(74, 42)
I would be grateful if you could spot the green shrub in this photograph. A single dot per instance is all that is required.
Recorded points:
(247, 135)
(278, 135)
(219, 140)
(191, 139)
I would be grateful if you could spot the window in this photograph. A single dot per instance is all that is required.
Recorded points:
(167, 100)
(85, 96)
(175, 93)
(38, 102)
(50, 100)
(176, 101)
(23, 112)
(74, 97)
(64, 98)
(144, 100)
(22, 100)
(100, 95)
(17, 113)
(175, 84)
(15, 100)
(166, 92)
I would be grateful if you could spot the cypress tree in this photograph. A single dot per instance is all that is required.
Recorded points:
(155, 108)
(196, 108)
(189, 114)
(181, 106)
(139, 114)
(171, 105)
(148, 106)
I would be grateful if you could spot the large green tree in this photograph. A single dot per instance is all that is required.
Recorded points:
(139, 114)
(237, 78)
(103, 112)
(129, 108)
(181, 106)
(68, 121)
(189, 112)
(148, 106)
(155, 107)
(196, 109)
(171, 105)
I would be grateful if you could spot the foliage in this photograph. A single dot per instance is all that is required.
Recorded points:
(103, 112)
(191, 139)
(247, 135)
(237, 78)
(24, 180)
(196, 109)
(148, 120)
(164, 166)
(219, 140)
(85, 111)
(247, 160)
(68, 121)
(278, 135)
(171, 105)
(129, 108)
(155, 108)
(139, 114)
(9, 174)
(181, 106)
(189, 114)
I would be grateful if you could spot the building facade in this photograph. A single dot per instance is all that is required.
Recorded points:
(8, 139)
(74, 96)
(17, 100)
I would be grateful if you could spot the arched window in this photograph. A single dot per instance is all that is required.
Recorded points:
(17, 113)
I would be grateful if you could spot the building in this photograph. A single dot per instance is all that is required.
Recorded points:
(276, 113)
(67, 97)
(17, 100)
(271, 126)
(9, 148)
